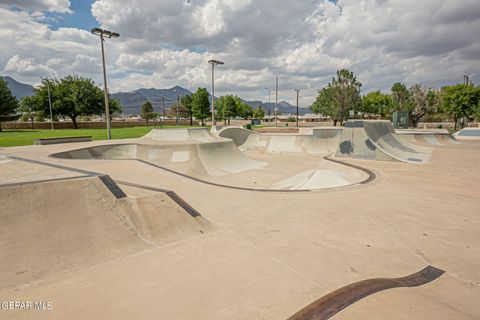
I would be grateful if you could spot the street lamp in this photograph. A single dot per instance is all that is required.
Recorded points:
(276, 99)
(49, 102)
(268, 104)
(297, 90)
(213, 63)
(105, 34)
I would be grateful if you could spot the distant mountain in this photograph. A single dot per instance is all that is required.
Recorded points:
(18, 89)
(132, 101)
(283, 107)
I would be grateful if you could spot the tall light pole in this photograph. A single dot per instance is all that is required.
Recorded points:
(268, 103)
(105, 34)
(276, 99)
(178, 105)
(297, 90)
(213, 63)
(49, 103)
(163, 111)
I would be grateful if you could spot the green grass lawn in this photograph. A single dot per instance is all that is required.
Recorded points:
(11, 138)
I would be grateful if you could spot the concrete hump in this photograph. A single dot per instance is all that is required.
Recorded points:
(322, 141)
(376, 139)
(213, 158)
(422, 137)
(159, 219)
(53, 226)
(183, 134)
(467, 134)
(238, 135)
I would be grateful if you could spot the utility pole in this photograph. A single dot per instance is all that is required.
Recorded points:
(268, 104)
(276, 99)
(213, 63)
(49, 103)
(178, 105)
(163, 112)
(297, 90)
(105, 34)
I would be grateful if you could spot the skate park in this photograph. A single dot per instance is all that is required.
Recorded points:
(189, 224)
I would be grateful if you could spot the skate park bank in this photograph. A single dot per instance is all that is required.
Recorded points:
(184, 224)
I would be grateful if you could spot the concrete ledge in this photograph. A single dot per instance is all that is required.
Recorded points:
(45, 141)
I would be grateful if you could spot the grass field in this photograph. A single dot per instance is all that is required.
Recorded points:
(11, 138)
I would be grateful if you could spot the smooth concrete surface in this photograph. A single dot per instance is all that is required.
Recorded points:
(52, 226)
(319, 141)
(266, 255)
(376, 140)
(433, 137)
(201, 155)
(468, 134)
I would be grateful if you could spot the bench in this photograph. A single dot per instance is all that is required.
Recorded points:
(45, 141)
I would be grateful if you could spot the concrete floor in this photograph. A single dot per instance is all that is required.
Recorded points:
(273, 253)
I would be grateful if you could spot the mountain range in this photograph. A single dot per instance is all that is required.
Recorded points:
(133, 100)
(18, 89)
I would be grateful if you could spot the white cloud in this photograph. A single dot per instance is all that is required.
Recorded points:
(60, 6)
(165, 43)
(26, 66)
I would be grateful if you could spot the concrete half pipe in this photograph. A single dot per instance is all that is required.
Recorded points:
(376, 139)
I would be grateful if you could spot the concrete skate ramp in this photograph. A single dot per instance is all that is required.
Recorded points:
(327, 174)
(422, 137)
(203, 162)
(52, 226)
(376, 139)
(426, 138)
(213, 158)
(467, 134)
(183, 134)
(322, 141)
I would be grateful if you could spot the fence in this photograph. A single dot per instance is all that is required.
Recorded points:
(92, 124)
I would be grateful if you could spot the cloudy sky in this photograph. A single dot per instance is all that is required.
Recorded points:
(168, 42)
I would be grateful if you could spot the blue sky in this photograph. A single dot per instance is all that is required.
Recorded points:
(81, 17)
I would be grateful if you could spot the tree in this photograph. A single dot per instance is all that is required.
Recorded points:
(72, 96)
(219, 106)
(177, 109)
(115, 108)
(258, 113)
(325, 105)
(345, 91)
(400, 97)
(229, 108)
(476, 112)
(8, 104)
(30, 108)
(459, 101)
(201, 104)
(377, 103)
(76, 96)
(187, 102)
(147, 110)
(423, 102)
(242, 109)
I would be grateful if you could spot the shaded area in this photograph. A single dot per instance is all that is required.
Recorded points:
(346, 147)
(334, 302)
